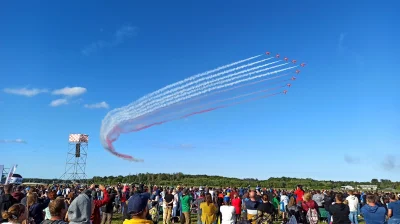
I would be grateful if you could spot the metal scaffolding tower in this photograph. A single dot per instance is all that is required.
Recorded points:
(75, 164)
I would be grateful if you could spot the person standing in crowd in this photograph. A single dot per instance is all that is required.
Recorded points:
(6, 200)
(95, 217)
(175, 203)
(373, 213)
(80, 210)
(293, 209)
(70, 197)
(318, 198)
(353, 206)
(220, 201)
(138, 209)
(380, 201)
(18, 195)
(283, 204)
(265, 211)
(185, 200)
(237, 203)
(211, 191)
(16, 214)
(36, 207)
(275, 202)
(251, 206)
(123, 197)
(208, 210)
(393, 210)
(52, 196)
(227, 212)
(299, 192)
(169, 201)
(340, 212)
(197, 203)
(108, 209)
(57, 210)
(310, 208)
(328, 200)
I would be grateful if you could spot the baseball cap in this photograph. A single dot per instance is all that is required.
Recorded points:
(137, 203)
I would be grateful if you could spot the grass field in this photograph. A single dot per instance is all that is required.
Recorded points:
(117, 219)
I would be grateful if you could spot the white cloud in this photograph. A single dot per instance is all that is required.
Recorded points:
(123, 33)
(24, 91)
(58, 102)
(70, 91)
(13, 141)
(97, 105)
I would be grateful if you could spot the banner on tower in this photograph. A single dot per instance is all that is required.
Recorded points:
(76, 138)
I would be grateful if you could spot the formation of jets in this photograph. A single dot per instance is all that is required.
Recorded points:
(285, 58)
(294, 62)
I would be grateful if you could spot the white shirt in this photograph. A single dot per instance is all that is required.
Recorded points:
(212, 194)
(176, 198)
(228, 214)
(353, 203)
(285, 200)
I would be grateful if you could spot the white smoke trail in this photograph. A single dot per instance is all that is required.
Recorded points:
(134, 112)
(122, 117)
(126, 109)
(198, 75)
(148, 98)
(216, 88)
(209, 84)
(175, 90)
(212, 81)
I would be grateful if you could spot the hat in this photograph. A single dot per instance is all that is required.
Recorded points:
(137, 203)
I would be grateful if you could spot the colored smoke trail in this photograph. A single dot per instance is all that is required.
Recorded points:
(215, 89)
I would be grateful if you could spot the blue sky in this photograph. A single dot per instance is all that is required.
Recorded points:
(339, 121)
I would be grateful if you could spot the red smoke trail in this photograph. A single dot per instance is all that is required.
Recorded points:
(211, 94)
(116, 131)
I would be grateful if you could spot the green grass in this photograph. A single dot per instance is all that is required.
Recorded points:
(117, 219)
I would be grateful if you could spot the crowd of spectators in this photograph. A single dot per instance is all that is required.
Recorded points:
(97, 204)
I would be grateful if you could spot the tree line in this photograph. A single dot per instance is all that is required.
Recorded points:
(174, 179)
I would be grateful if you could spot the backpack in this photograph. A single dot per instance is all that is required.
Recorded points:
(312, 216)
(292, 220)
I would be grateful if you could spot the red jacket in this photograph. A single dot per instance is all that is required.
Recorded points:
(95, 217)
(299, 193)
(237, 203)
(309, 205)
